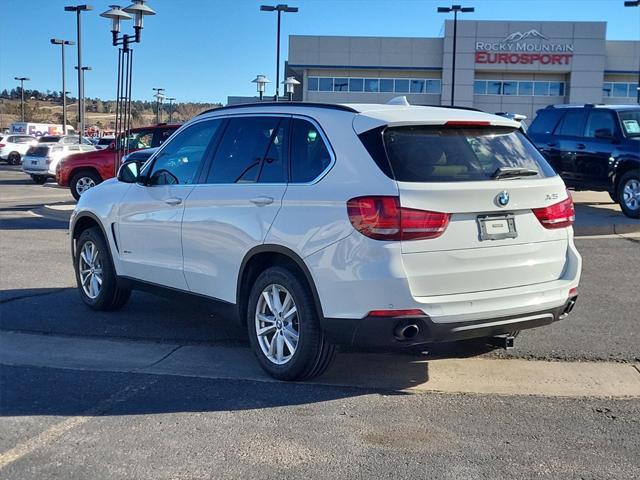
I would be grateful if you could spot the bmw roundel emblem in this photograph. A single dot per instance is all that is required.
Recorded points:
(503, 198)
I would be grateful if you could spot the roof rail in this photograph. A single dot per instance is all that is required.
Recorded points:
(575, 105)
(332, 106)
(457, 107)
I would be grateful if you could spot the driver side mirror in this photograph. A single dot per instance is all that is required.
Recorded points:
(129, 172)
(604, 133)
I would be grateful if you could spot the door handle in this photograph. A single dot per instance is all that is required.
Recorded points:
(173, 201)
(262, 201)
(580, 146)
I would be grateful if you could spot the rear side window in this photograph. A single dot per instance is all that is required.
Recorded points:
(546, 121)
(250, 145)
(600, 120)
(630, 122)
(572, 123)
(444, 154)
(309, 154)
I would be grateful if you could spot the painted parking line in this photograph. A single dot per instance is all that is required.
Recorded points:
(371, 371)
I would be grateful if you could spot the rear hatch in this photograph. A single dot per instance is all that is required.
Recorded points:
(37, 157)
(495, 188)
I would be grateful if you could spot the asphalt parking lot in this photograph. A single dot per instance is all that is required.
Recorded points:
(95, 394)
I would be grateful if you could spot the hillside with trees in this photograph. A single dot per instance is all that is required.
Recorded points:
(46, 107)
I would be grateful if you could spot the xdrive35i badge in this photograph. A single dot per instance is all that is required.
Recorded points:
(502, 199)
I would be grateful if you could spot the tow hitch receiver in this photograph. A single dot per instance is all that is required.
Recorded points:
(505, 341)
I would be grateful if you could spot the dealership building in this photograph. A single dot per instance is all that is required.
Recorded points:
(501, 66)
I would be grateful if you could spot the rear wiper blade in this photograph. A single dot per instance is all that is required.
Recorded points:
(510, 172)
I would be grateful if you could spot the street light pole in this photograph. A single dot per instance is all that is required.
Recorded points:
(159, 96)
(79, 9)
(22, 80)
(171, 99)
(62, 43)
(635, 3)
(278, 8)
(84, 69)
(455, 9)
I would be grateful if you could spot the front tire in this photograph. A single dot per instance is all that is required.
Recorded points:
(95, 275)
(284, 328)
(629, 194)
(83, 181)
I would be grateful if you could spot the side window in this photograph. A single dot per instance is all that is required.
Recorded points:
(73, 148)
(179, 160)
(140, 140)
(161, 136)
(599, 120)
(572, 122)
(248, 145)
(309, 154)
(546, 121)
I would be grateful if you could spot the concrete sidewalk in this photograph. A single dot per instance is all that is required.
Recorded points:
(597, 214)
(393, 372)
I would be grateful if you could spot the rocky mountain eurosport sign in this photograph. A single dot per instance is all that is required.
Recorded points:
(526, 48)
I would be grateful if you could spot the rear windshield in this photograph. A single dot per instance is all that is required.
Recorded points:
(445, 154)
(49, 139)
(630, 120)
(105, 141)
(38, 151)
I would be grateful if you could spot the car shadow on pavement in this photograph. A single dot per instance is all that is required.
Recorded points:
(35, 222)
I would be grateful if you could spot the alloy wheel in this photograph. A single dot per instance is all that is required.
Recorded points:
(631, 194)
(90, 269)
(83, 184)
(277, 324)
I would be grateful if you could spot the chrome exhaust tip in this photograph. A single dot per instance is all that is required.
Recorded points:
(407, 332)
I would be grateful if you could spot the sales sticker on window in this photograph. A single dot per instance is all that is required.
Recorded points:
(631, 126)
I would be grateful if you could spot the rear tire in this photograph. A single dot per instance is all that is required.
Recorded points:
(291, 346)
(629, 193)
(83, 181)
(95, 274)
(14, 158)
(39, 179)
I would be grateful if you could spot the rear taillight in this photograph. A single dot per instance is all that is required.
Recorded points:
(382, 218)
(558, 215)
(2, 145)
(414, 312)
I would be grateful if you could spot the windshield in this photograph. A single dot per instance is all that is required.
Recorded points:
(445, 154)
(630, 120)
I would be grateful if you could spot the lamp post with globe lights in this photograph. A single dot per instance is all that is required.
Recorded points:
(136, 11)
(290, 86)
(278, 8)
(261, 83)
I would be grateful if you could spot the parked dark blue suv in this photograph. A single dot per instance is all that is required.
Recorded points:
(593, 147)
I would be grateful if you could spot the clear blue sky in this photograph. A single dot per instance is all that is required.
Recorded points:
(204, 50)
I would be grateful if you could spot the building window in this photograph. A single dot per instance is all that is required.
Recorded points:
(432, 86)
(556, 89)
(509, 88)
(386, 85)
(607, 89)
(522, 89)
(371, 85)
(340, 84)
(374, 85)
(326, 84)
(356, 84)
(619, 89)
(525, 89)
(480, 87)
(402, 86)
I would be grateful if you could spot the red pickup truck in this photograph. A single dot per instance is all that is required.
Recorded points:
(85, 170)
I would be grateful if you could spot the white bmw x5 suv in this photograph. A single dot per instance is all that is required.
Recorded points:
(317, 225)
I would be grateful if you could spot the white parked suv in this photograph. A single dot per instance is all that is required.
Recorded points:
(13, 147)
(317, 225)
(41, 160)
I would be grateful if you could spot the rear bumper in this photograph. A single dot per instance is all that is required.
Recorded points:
(383, 332)
(42, 173)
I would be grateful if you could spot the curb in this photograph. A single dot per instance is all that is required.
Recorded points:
(608, 229)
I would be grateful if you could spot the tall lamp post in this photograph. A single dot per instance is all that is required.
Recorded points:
(261, 83)
(159, 96)
(125, 67)
(635, 3)
(84, 69)
(62, 43)
(79, 9)
(22, 80)
(171, 99)
(290, 86)
(455, 9)
(278, 8)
